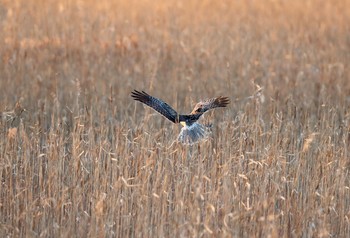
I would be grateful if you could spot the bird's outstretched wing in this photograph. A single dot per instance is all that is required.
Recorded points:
(211, 103)
(157, 104)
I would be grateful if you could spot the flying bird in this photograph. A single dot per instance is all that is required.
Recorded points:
(192, 131)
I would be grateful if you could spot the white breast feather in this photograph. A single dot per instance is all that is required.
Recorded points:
(193, 133)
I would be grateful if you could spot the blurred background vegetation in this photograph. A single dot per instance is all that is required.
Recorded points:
(87, 160)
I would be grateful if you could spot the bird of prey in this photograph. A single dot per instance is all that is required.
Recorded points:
(192, 131)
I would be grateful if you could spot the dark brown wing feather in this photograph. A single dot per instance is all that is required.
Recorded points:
(157, 104)
(211, 103)
(216, 102)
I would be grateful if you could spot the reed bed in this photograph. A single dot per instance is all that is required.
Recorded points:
(80, 158)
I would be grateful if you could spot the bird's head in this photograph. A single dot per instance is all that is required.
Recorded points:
(208, 104)
(198, 109)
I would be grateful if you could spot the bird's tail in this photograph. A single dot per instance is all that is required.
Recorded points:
(194, 133)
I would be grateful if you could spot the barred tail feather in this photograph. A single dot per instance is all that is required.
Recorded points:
(193, 133)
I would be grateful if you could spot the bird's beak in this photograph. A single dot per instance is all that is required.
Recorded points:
(183, 123)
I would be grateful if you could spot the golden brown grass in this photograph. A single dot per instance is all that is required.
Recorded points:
(85, 160)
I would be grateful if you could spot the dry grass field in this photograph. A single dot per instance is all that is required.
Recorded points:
(80, 158)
